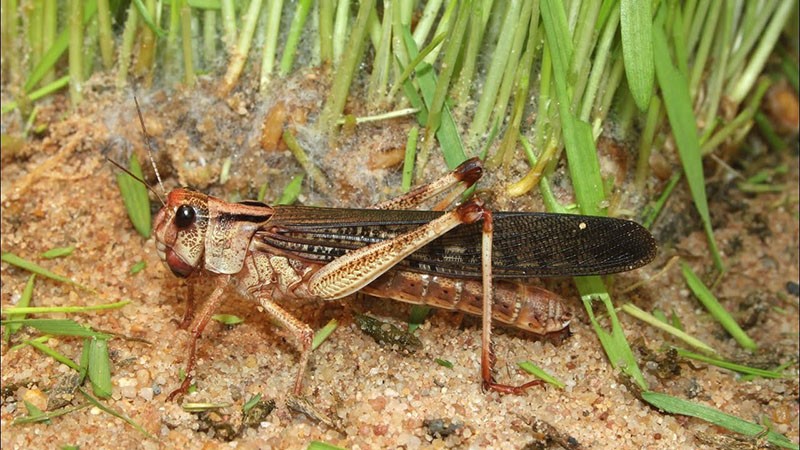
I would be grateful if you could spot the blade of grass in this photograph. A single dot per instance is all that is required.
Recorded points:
(240, 52)
(521, 84)
(134, 195)
(99, 367)
(323, 333)
(39, 93)
(674, 405)
(745, 370)
(24, 301)
(271, 32)
(51, 352)
(326, 13)
(292, 190)
(295, 31)
(317, 177)
(62, 327)
(614, 343)
(58, 252)
(76, 74)
(48, 415)
(104, 32)
(741, 122)
(538, 372)
(382, 63)
(638, 313)
(410, 155)
(417, 316)
(186, 41)
(116, 414)
(251, 402)
(62, 309)
(22, 263)
(447, 134)
(227, 319)
(35, 413)
(147, 18)
(463, 87)
(412, 66)
(651, 213)
(678, 103)
(716, 309)
(138, 267)
(636, 19)
(745, 82)
(452, 47)
(584, 166)
(58, 48)
(126, 47)
(318, 445)
(344, 73)
(601, 62)
(494, 76)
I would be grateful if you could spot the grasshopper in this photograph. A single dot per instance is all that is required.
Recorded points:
(465, 258)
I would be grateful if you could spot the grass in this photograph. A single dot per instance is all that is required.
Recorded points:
(552, 80)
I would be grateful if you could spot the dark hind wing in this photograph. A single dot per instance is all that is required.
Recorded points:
(525, 244)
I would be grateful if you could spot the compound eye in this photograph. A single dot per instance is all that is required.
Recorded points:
(184, 216)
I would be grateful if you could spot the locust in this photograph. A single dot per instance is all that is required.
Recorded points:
(463, 258)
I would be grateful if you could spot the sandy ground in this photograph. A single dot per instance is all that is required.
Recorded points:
(58, 191)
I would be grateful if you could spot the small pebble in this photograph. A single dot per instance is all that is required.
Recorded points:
(793, 288)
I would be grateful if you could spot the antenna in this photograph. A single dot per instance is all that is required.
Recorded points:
(132, 175)
(148, 141)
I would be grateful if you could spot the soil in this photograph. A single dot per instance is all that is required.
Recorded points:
(57, 191)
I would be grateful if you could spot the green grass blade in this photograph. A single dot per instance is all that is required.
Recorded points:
(22, 263)
(408, 161)
(323, 333)
(716, 309)
(584, 167)
(148, 19)
(746, 370)
(227, 319)
(58, 48)
(134, 195)
(292, 190)
(675, 94)
(636, 19)
(116, 414)
(48, 415)
(99, 367)
(417, 316)
(447, 134)
(674, 405)
(295, 31)
(24, 301)
(58, 252)
(138, 267)
(317, 445)
(345, 71)
(62, 309)
(51, 352)
(638, 313)
(317, 176)
(614, 343)
(36, 414)
(538, 372)
(63, 327)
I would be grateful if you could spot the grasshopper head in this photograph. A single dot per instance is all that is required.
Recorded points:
(180, 231)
